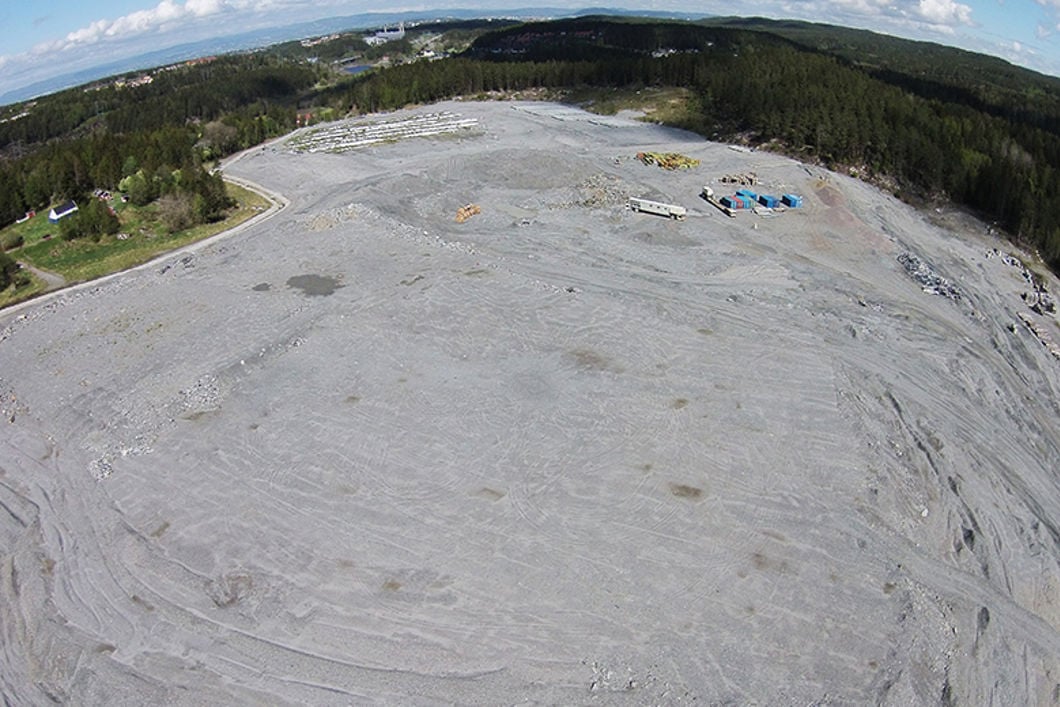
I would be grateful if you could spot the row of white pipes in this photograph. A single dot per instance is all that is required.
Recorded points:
(339, 138)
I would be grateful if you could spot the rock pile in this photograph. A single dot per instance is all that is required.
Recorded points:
(929, 280)
(601, 190)
(1041, 334)
(1038, 299)
(747, 179)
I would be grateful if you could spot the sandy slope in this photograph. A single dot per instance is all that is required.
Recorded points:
(560, 453)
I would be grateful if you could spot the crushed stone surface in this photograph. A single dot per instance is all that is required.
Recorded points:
(561, 453)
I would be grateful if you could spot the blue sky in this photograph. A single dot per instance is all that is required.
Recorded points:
(47, 38)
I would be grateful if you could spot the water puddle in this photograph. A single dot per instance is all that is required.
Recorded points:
(314, 285)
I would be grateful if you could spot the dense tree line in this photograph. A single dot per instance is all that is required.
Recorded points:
(933, 71)
(73, 168)
(105, 137)
(226, 86)
(93, 220)
(8, 270)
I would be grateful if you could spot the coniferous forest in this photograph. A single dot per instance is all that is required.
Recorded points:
(932, 123)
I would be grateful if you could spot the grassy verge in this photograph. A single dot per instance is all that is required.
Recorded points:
(668, 106)
(15, 294)
(82, 260)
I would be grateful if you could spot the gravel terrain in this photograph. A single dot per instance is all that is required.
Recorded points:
(559, 453)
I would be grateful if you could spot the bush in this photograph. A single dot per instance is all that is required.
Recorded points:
(140, 189)
(177, 211)
(12, 241)
(70, 228)
(93, 221)
(8, 270)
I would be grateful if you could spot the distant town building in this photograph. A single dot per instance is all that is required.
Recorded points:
(386, 35)
(307, 43)
(141, 80)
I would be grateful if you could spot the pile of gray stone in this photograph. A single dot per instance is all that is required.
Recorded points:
(929, 280)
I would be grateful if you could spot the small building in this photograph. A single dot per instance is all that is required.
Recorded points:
(386, 35)
(61, 211)
(768, 201)
(792, 200)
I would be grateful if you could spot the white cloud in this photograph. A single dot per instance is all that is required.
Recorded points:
(143, 21)
(865, 7)
(164, 16)
(202, 8)
(167, 24)
(86, 35)
(945, 12)
(904, 16)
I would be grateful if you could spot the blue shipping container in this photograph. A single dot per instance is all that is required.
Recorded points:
(731, 202)
(747, 192)
(767, 200)
(792, 200)
(748, 202)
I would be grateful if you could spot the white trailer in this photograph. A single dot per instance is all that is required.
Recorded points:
(657, 207)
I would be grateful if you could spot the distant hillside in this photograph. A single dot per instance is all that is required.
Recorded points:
(268, 36)
(931, 70)
(256, 39)
(930, 123)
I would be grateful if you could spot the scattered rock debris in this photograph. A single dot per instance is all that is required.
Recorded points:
(747, 179)
(10, 406)
(601, 190)
(1042, 334)
(929, 280)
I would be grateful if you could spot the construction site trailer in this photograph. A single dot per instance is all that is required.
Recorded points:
(792, 200)
(657, 207)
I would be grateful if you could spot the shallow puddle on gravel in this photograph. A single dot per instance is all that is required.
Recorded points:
(314, 285)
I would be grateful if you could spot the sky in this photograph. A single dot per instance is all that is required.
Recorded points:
(43, 39)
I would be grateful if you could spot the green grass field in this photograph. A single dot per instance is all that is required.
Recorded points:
(82, 260)
(670, 106)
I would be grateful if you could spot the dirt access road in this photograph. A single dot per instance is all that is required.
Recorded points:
(560, 453)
